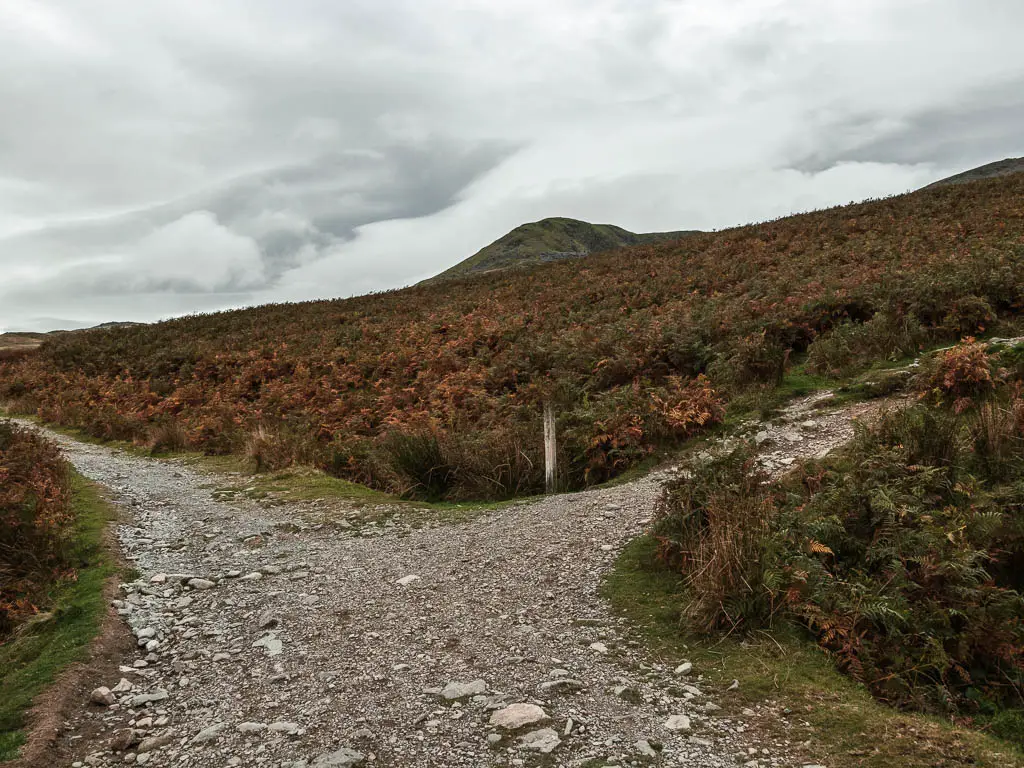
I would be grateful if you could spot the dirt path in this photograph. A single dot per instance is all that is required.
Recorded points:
(266, 643)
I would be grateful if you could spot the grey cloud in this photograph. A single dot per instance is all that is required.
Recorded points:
(167, 157)
(291, 214)
(984, 127)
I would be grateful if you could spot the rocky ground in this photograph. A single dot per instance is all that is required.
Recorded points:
(267, 639)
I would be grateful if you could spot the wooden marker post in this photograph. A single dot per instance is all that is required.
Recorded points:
(550, 450)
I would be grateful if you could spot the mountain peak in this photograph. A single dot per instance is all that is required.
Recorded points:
(552, 239)
(988, 171)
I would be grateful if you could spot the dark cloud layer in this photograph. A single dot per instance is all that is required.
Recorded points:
(166, 157)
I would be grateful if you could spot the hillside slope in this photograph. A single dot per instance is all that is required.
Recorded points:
(552, 239)
(1005, 167)
(21, 340)
(436, 390)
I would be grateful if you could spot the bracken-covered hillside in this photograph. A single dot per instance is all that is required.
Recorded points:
(436, 390)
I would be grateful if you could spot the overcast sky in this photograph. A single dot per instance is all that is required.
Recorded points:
(159, 158)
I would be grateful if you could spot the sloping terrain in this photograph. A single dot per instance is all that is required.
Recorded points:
(552, 239)
(989, 171)
(21, 340)
(436, 391)
(26, 340)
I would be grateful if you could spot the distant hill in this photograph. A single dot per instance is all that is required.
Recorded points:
(991, 170)
(33, 339)
(552, 239)
(25, 340)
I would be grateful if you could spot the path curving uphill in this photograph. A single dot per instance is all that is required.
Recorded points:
(263, 640)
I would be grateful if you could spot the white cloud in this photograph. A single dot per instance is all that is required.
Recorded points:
(213, 154)
(197, 252)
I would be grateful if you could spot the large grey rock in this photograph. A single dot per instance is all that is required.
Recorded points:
(562, 685)
(201, 584)
(644, 748)
(123, 686)
(102, 696)
(678, 723)
(516, 716)
(271, 643)
(210, 733)
(341, 758)
(454, 690)
(544, 741)
(153, 742)
(147, 698)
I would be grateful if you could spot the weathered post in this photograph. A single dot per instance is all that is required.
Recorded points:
(550, 450)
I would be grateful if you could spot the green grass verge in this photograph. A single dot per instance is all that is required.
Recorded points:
(838, 719)
(35, 655)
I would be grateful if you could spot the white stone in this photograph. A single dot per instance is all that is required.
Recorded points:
(644, 748)
(678, 723)
(599, 647)
(516, 716)
(210, 733)
(453, 690)
(147, 698)
(684, 669)
(271, 643)
(407, 580)
(102, 696)
(544, 741)
(201, 584)
(153, 742)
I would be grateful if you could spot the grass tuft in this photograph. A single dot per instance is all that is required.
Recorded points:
(35, 655)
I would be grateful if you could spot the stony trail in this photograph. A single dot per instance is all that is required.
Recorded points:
(266, 639)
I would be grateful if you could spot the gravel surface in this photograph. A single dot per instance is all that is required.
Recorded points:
(264, 640)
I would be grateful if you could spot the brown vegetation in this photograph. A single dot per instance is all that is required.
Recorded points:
(436, 390)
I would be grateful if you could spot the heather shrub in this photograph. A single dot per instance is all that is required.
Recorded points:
(850, 346)
(960, 376)
(758, 358)
(501, 464)
(270, 447)
(901, 554)
(417, 463)
(719, 528)
(167, 436)
(893, 569)
(968, 316)
(35, 516)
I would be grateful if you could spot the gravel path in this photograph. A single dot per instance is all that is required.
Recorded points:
(266, 641)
